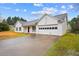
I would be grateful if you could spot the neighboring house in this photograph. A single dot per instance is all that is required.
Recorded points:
(47, 24)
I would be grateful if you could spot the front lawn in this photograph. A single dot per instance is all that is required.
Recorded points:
(8, 34)
(67, 45)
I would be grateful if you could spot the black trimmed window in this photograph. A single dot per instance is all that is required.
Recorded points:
(52, 27)
(55, 27)
(47, 28)
(19, 28)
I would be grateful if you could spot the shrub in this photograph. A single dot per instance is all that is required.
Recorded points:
(4, 27)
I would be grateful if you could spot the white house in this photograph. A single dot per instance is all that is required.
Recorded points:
(47, 24)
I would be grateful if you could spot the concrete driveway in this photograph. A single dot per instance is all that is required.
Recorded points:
(35, 45)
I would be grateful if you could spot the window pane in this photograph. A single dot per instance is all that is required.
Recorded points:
(19, 28)
(44, 28)
(52, 27)
(55, 27)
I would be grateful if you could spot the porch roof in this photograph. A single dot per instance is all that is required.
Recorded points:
(29, 23)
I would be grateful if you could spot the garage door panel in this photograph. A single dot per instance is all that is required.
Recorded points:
(48, 30)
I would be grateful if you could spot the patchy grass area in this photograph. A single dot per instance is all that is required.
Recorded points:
(67, 45)
(6, 35)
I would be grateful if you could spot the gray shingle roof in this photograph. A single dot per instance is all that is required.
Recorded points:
(60, 19)
(29, 23)
(61, 16)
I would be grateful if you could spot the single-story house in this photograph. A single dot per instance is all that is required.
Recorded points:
(47, 24)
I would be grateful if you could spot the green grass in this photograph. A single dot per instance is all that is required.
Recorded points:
(23, 34)
(67, 45)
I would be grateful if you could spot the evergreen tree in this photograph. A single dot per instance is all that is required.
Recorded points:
(4, 21)
(13, 20)
(9, 20)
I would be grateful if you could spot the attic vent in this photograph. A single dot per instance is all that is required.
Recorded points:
(60, 21)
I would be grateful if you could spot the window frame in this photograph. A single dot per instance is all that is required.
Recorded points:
(20, 28)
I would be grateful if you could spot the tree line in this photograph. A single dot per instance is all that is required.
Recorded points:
(74, 23)
(12, 20)
(4, 25)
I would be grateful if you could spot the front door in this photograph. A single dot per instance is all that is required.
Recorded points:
(28, 29)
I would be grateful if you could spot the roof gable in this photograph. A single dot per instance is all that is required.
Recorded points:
(60, 17)
(47, 20)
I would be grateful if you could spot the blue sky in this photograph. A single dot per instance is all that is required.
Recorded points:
(31, 11)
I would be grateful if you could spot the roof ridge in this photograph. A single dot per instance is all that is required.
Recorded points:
(61, 14)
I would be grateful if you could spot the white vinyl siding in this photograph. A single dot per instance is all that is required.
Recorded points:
(47, 21)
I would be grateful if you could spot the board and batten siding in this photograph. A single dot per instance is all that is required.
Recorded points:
(47, 21)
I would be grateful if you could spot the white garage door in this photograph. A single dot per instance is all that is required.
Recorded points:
(48, 29)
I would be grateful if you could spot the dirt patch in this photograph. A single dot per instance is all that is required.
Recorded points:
(6, 35)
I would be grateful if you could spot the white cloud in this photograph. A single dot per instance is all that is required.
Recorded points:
(45, 10)
(63, 7)
(71, 6)
(63, 11)
(38, 4)
(25, 10)
(49, 10)
(17, 9)
(33, 12)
